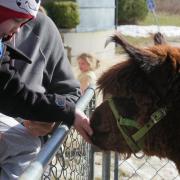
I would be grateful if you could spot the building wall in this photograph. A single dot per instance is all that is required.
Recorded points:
(96, 15)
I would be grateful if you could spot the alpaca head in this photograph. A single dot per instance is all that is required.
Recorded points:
(147, 80)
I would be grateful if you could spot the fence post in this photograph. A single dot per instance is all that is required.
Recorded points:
(91, 163)
(106, 161)
(92, 106)
(116, 157)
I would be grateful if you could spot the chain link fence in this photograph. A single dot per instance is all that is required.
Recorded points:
(114, 167)
(65, 155)
(71, 162)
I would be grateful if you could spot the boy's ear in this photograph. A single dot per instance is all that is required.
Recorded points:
(16, 54)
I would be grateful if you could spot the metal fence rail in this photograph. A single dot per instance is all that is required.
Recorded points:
(65, 154)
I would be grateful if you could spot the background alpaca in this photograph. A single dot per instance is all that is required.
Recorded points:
(148, 81)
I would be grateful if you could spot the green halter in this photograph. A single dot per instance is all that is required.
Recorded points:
(135, 141)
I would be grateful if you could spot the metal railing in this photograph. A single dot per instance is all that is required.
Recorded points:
(53, 148)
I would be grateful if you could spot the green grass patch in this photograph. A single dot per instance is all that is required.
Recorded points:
(164, 19)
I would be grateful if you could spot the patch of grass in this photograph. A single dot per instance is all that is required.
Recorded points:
(164, 19)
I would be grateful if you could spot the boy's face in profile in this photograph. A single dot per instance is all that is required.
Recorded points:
(10, 26)
(83, 65)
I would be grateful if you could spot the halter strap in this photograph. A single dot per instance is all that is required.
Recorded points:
(154, 119)
(134, 141)
(122, 121)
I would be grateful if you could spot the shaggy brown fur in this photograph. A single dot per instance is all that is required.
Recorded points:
(147, 81)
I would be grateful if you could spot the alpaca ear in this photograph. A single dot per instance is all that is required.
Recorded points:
(159, 39)
(143, 57)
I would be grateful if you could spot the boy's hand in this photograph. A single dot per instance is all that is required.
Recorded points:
(81, 124)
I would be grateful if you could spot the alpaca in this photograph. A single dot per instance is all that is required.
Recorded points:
(141, 112)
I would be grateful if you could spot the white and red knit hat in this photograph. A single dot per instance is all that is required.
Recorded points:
(18, 9)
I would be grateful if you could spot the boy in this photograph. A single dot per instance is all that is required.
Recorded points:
(15, 98)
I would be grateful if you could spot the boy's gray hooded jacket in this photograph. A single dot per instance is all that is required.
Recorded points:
(49, 73)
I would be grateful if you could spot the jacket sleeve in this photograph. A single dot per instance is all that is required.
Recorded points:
(17, 100)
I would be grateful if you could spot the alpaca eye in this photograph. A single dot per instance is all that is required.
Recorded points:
(37, 1)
